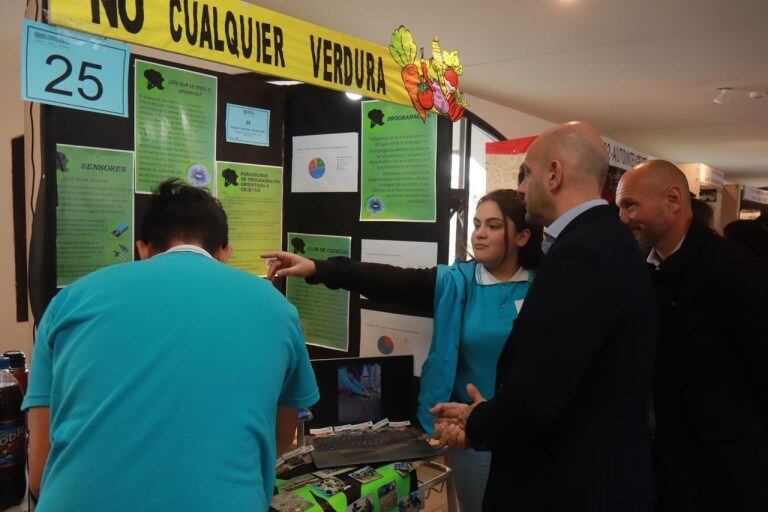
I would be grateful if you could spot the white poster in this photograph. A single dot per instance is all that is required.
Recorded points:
(399, 253)
(325, 163)
(388, 334)
(623, 157)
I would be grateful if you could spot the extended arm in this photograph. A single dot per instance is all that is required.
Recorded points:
(412, 286)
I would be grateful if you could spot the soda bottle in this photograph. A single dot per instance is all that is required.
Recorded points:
(13, 480)
(19, 367)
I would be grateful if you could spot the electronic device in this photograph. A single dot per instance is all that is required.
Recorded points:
(354, 391)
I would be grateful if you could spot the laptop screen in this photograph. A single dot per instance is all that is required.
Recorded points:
(355, 390)
(359, 392)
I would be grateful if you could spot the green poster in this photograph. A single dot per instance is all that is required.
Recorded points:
(398, 154)
(94, 216)
(175, 126)
(324, 313)
(252, 196)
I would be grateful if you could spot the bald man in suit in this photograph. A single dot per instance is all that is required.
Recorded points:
(568, 426)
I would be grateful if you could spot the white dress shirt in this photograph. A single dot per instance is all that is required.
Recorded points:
(552, 231)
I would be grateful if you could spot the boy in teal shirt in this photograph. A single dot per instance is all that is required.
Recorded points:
(160, 383)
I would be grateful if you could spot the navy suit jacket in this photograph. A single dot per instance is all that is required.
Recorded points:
(568, 426)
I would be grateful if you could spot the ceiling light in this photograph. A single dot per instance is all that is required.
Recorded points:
(757, 95)
(284, 82)
(353, 96)
(722, 95)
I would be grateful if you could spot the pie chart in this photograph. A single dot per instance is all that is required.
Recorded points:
(385, 345)
(316, 168)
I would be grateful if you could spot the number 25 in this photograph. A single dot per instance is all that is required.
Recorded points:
(83, 77)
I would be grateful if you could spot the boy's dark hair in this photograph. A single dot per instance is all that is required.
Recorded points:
(178, 211)
(512, 206)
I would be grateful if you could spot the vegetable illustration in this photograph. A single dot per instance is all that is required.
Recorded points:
(436, 64)
(445, 69)
(452, 70)
(441, 103)
(377, 117)
(436, 84)
(456, 103)
(425, 94)
(452, 78)
(403, 50)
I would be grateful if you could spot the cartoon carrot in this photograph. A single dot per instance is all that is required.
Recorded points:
(403, 51)
(410, 74)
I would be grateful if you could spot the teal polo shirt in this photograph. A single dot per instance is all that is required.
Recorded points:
(163, 378)
(490, 311)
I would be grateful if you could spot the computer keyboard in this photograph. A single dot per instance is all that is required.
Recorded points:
(366, 439)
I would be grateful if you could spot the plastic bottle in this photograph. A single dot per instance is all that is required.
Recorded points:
(13, 480)
(19, 367)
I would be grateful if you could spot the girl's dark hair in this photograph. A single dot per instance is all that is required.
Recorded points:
(512, 206)
(178, 211)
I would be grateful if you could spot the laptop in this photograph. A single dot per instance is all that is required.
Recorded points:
(354, 391)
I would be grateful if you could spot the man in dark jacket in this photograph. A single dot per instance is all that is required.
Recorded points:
(711, 383)
(568, 426)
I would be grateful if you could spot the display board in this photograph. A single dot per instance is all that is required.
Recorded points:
(69, 127)
(312, 111)
(296, 111)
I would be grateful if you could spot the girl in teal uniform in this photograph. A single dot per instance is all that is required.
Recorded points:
(474, 305)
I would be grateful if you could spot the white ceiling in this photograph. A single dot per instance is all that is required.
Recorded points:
(643, 71)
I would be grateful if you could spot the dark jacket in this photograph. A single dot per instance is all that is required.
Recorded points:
(711, 385)
(568, 427)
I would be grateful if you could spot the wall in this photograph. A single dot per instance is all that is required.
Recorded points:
(692, 173)
(13, 335)
(513, 124)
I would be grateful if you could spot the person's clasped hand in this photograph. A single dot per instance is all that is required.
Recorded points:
(451, 420)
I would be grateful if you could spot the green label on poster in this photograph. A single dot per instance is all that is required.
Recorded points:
(324, 313)
(252, 196)
(399, 153)
(175, 126)
(94, 217)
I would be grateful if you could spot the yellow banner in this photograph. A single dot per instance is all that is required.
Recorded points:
(241, 34)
